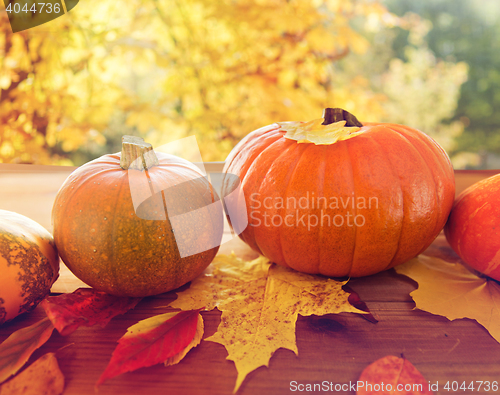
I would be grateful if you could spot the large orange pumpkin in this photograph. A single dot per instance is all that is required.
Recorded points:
(473, 228)
(340, 198)
(29, 264)
(137, 223)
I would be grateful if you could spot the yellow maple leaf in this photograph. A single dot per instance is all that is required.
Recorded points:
(315, 132)
(260, 303)
(454, 291)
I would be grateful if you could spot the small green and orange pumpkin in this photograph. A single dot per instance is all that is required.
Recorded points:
(29, 264)
(338, 197)
(137, 223)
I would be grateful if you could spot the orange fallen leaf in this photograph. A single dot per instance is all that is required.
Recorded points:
(84, 307)
(164, 338)
(42, 377)
(392, 375)
(260, 303)
(18, 347)
(454, 291)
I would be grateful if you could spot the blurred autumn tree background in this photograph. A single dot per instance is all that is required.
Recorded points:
(166, 69)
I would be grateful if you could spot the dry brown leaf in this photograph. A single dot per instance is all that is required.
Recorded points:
(42, 377)
(454, 291)
(16, 350)
(260, 303)
(85, 307)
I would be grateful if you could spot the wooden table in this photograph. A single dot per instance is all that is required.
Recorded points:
(333, 348)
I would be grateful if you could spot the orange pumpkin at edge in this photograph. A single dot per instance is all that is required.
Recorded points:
(366, 203)
(473, 226)
(125, 249)
(29, 264)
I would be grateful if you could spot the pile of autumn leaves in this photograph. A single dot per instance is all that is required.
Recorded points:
(167, 336)
(239, 289)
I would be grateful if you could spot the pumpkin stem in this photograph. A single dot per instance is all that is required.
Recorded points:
(332, 115)
(137, 154)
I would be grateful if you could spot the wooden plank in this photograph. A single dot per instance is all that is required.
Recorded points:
(465, 178)
(30, 190)
(31, 194)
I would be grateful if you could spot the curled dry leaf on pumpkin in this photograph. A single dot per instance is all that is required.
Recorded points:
(392, 375)
(42, 377)
(317, 133)
(164, 338)
(452, 290)
(18, 347)
(85, 307)
(260, 303)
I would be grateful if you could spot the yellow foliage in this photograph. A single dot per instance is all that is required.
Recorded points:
(218, 69)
